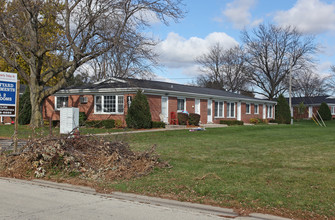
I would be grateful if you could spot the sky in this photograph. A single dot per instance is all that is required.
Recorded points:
(211, 21)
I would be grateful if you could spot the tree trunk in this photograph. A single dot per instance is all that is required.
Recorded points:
(36, 114)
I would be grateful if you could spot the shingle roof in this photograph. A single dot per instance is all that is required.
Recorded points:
(317, 100)
(165, 86)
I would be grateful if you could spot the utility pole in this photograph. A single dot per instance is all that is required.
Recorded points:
(290, 92)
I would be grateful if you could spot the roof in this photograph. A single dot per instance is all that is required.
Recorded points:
(157, 86)
(316, 100)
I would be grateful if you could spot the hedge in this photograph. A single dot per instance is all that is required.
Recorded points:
(157, 124)
(194, 119)
(182, 118)
(231, 122)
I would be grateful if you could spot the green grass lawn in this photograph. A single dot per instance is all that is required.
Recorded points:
(280, 169)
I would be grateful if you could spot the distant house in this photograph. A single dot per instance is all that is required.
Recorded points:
(312, 104)
(111, 98)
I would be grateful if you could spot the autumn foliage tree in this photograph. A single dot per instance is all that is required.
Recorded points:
(56, 37)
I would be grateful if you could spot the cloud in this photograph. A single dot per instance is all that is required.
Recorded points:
(238, 12)
(309, 16)
(177, 52)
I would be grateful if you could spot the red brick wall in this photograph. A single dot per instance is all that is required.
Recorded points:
(155, 103)
(190, 105)
(203, 111)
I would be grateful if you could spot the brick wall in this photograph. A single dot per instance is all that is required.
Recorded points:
(155, 103)
(203, 111)
(190, 105)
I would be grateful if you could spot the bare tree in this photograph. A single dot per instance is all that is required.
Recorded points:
(309, 84)
(74, 32)
(223, 69)
(272, 51)
(331, 81)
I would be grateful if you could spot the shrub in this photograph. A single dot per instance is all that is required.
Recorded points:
(25, 108)
(254, 120)
(324, 112)
(157, 124)
(182, 118)
(82, 118)
(118, 123)
(110, 123)
(93, 124)
(139, 115)
(283, 113)
(193, 119)
(231, 122)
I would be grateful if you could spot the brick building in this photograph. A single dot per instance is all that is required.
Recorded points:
(111, 98)
(311, 106)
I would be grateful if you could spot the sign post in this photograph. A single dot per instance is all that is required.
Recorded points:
(9, 98)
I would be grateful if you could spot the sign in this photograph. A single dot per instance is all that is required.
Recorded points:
(8, 94)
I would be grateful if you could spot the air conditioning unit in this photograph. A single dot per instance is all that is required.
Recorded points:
(83, 100)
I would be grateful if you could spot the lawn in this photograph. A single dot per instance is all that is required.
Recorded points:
(280, 169)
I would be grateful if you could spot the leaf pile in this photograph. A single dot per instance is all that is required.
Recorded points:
(82, 156)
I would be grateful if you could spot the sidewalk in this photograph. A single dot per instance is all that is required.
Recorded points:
(224, 213)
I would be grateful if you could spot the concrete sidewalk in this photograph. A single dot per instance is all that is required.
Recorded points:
(224, 213)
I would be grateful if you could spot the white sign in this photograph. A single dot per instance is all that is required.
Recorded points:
(8, 94)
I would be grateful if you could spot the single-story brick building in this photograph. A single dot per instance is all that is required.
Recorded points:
(312, 105)
(111, 98)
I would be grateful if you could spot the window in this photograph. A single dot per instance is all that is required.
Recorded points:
(219, 109)
(61, 101)
(270, 108)
(247, 108)
(109, 104)
(333, 110)
(231, 110)
(83, 100)
(181, 104)
(256, 107)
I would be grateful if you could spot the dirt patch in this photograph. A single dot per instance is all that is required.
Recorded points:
(81, 157)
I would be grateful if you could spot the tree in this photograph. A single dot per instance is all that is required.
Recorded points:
(283, 113)
(139, 115)
(272, 51)
(223, 69)
(25, 108)
(72, 31)
(309, 84)
(324, 112)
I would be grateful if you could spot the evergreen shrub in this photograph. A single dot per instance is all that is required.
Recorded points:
(231, 122)
(157, 124)
(25, 108)
(283, 113)
(194, 119)
(139, 115)
(182, 118)
(324, 112)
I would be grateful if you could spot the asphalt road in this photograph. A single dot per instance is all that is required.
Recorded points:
(22, 200)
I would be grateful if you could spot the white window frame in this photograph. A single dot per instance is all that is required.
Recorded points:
(229, 109)
(197, 106)
(220, 109)
(270, 113)
(56, 102)
(247, 112)
(332, 109)
(256, 112)
(117, 112)
(181, 98)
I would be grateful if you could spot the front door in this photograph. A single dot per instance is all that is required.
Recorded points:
(165, 112)
(209, 111)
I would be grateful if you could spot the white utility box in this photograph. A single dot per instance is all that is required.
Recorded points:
(69, 120)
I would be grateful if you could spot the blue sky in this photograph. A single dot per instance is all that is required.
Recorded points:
(211, 21)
